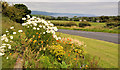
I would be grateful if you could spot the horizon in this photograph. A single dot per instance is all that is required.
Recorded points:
(92, 8)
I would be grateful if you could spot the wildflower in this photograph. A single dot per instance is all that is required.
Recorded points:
(14, 32)
(86, 65)
(6, 40)
(10, 53)
(34, 41)
(7, 31)
(33, 36)
(27, 26)
(6, 57)
(11, 27)
(38, 28)
(44, 49)
(67, 39)
(34, 28)
(57, 40)
(9, 47)
(35, 24)
(43, 32)
(1, 54)
(41, 41)
(4, 44)
(59, 59)
(38, 36)
(69, 54)
(59, 37)
(47, 40)
(74, 58)
(28, 16)
(23, 18)
(37, 33)
(20, 31)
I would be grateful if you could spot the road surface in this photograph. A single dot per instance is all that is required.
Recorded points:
(109, 37)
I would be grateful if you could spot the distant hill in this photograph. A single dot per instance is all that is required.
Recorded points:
(60, 14)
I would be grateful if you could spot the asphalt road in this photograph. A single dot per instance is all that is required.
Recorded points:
(109, 37)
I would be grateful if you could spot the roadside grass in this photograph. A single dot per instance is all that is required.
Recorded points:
(6, 24)
(108, 52)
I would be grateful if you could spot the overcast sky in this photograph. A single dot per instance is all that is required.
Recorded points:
(95, 7)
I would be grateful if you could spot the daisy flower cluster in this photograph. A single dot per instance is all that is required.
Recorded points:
(7, 39)
(38, 23)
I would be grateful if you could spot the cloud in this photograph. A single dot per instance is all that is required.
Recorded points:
(96, 8)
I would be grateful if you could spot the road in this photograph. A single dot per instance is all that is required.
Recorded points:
(109, 37)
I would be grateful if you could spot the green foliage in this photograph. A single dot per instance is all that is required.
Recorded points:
(114, 24)
(16, 12)
(69, 24)
(83, 24)
(23, 7)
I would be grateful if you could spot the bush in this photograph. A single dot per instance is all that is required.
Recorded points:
(83, 24)
(64, 24)
(15, 12)
(114, 24)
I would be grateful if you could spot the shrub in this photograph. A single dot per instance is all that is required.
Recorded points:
(83, 24)
(64, 23)
(114, 24)
(16, 12)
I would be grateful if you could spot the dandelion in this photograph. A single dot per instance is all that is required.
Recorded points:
(14, 32)
(20, 31)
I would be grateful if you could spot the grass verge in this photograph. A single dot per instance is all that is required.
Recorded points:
(108, 52)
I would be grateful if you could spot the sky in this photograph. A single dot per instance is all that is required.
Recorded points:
(95, 7)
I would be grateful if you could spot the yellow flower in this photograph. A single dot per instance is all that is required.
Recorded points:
(58, 58)
(34, 41)
(41, 41)
(37, 33)
(86, 65)
(38, 36)
(10, 53)
(74, 58)
(33, 35)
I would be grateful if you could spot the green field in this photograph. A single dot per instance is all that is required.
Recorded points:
(95, 27)
(108, 52)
